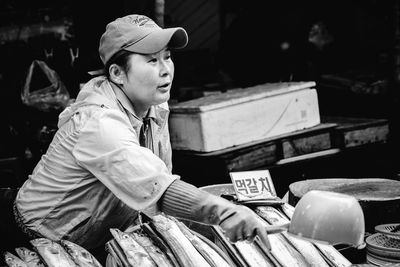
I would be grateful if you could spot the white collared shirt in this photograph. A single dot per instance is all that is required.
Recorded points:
(95, 157)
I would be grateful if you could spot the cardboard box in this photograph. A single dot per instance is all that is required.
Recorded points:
(243, 115)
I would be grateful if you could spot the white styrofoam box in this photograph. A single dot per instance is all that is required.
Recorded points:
(243, 115)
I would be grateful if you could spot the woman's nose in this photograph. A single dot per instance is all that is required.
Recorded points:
(165, 68)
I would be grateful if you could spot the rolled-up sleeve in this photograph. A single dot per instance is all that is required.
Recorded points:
(108, 148)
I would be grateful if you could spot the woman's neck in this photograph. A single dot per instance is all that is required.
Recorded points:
(141, 112)
(139, 109)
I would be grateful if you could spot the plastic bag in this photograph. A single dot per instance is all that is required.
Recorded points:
(43, 88)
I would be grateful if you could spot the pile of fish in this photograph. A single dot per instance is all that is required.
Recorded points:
(164, 241)
(47, 253)
(286, 250)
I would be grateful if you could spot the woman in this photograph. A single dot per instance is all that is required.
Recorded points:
(111, 156)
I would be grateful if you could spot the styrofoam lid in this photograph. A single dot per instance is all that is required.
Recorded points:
(237, 96)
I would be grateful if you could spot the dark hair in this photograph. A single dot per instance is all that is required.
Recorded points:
(120, 58)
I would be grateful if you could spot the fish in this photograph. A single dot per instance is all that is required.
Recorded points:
(158, 256)
(332, 255)
(135, 253)
(186, 254)
(285, 253)
(211, 256)
(252, 255)
(116, 252)
(13, 261)
(156, 238)
(52, 253)
(30, 257)
(228, 246)
(306, 248)
(80, 255)
(288, 210)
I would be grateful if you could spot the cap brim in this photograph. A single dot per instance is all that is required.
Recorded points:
(173, 38)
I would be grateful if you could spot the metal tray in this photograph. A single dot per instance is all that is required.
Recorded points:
(390, 229)
(382, 246)
(379, 261)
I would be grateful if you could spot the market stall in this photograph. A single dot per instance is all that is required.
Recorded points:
(248, 141)
(167, 241)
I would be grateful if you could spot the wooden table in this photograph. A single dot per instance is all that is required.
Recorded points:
(338, 147)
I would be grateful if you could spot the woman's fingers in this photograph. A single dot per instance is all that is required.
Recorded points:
(263, 237)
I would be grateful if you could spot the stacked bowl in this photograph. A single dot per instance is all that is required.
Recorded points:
(383, 247)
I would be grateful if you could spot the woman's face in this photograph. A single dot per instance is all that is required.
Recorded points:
(149, 79)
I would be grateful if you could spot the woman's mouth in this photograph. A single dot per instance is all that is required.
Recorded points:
(164, 87)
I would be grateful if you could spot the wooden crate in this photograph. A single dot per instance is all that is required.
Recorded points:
(243, 115)
(250, 156)
(316, 152)
(354, 132)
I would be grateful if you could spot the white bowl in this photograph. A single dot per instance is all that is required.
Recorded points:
(329, 217)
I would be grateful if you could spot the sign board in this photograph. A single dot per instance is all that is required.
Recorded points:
(253, 185)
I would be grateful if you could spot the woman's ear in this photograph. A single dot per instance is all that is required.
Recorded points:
(116, 74)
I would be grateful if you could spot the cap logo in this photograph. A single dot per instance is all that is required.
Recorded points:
(141, 21)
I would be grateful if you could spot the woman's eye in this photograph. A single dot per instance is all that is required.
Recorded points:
(153, 60)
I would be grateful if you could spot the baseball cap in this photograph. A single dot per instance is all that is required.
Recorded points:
(139, 34)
